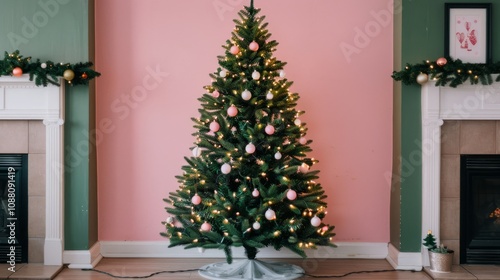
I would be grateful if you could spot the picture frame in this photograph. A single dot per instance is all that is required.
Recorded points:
(468, 32)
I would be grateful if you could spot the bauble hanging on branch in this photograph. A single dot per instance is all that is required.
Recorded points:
(234, 50)
(422, 78)
(253, 46)
(17, 72)
(68, 75)
(441, 61)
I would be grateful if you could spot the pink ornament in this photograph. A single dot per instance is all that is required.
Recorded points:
(214, 126)
(17, 72)
(270, 214)
(303, 140)
(255, 193)
(315, 221)
(269, 129)
(250, 148)
(225, 168)
(291, 194)
(303, 168)
(215, 93)
(325, 228)
(206, 226)
(234, 50)
(254, 46)
(441, 61)
(232, 111)
(196, 199)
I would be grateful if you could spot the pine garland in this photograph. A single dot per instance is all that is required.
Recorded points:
(47, 72)
(452, 72)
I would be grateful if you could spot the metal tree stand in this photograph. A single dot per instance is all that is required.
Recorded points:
(251, 269)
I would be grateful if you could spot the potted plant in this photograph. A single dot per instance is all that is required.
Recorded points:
(440, 257)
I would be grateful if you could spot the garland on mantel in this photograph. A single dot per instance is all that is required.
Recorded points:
(47, 72)
(448, 71)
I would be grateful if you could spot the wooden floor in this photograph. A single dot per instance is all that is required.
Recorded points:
(317, 267)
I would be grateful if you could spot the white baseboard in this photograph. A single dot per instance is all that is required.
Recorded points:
(159, 249)
(80, 259)
(404, 261)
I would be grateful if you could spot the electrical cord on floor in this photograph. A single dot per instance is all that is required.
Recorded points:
(197, 269)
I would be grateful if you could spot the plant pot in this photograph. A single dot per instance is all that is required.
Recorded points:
(441, 262)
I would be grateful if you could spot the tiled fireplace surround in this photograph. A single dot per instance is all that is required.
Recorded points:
(28, 137)
(461, 137)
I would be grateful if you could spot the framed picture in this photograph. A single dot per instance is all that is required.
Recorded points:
(468, 32)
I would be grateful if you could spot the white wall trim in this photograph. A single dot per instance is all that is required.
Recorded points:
(159, 249)
(404, 261)
(80, 259)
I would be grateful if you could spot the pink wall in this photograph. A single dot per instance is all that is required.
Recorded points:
(155, 57)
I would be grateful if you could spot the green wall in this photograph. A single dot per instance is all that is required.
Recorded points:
(420, 29)
(60, 31)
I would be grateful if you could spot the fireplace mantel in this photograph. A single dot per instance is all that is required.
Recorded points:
(465, 102)
(21, 99)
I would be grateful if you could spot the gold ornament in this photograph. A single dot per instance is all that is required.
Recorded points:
(68, 75)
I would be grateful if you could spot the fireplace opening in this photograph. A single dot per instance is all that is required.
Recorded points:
(480, 209)
(13, 208)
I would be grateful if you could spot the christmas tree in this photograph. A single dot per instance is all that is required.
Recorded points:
(430, 241)
(249, 182)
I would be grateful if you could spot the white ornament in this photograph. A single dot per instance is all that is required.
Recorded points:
(43, 65)
(255, 75)
(270, 214)
(297, 122)
(269, 95)
(222, 73)
(422, 78)
(315, 221)
(282, 74)
(277, 155)
(250, 148)
(255, 193)
(170, 220)
(225, 168)
(196, 151)
(256, 225)
(246, 95)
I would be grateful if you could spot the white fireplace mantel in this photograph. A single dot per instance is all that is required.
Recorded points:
(465, 102)
(21, 99)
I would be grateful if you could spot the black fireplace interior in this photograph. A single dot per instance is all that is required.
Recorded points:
(480, 209)
(13, 208)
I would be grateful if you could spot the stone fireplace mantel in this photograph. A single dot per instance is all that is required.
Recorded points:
(465, 102)
(21, 99)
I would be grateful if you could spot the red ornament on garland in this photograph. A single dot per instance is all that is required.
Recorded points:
(17, 72)
(441, 61)
(84, 76)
